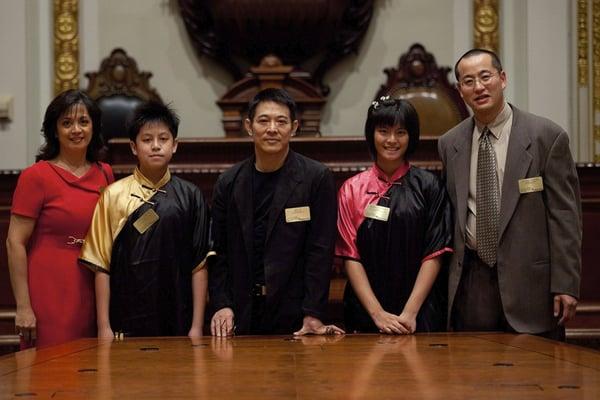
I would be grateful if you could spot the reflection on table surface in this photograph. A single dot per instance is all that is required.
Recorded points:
(449, 366)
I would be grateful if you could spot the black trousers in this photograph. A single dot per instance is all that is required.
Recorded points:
(257, 317)
(478, 305)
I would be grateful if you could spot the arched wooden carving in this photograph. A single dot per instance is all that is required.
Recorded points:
(310, 34)
(118, 87)
(418, 79)
(271, 73)
(270, 43)
(119, 74)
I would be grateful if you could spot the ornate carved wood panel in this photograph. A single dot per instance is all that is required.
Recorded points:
(264, 44)
(118, 87)
(486, 22)
(119, 74)
(66, 45)
(239, 33)
(272, 74)
(418, 79)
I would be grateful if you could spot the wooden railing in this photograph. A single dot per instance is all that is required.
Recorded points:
(8, 341)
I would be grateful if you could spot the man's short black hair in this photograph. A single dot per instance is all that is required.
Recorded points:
(279, 96)
(475, 52)
(152, 112)
(390, 112)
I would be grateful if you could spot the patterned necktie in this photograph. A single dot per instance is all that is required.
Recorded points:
(487, 201)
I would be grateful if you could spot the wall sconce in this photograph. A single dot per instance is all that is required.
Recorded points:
(6, 108)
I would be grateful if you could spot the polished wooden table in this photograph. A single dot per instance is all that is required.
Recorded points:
(435, 366)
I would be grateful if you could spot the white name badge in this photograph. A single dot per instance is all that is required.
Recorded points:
(297, 214)
(531, 185)
(379, 213)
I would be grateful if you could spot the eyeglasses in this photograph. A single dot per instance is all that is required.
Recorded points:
(485, 78)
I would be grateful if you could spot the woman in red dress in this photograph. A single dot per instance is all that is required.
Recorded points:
(51, 212)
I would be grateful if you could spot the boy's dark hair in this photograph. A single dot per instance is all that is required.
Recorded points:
(60, 105)
(389, 112)
(152, 112)
(475, 52)
(279, 96)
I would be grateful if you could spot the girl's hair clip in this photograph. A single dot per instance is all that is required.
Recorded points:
(382, 99)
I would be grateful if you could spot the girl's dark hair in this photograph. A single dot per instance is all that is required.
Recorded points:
(60, 105)
(389, 112)
(152, 112)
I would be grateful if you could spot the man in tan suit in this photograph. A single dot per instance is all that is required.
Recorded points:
(517, 268)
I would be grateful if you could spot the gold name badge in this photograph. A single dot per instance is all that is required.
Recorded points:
(146, 221)
(531, 185)
(379, 213)
(297, 214)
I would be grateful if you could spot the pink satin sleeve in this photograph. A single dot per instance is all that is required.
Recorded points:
(353, 197)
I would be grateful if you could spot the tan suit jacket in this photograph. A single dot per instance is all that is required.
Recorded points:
(539, 250)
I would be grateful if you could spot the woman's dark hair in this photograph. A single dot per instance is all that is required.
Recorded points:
(60, 105)
(389, 112)
(279, 96)
(152, 112)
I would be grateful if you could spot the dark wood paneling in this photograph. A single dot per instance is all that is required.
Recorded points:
(8, 181)
(202, 160)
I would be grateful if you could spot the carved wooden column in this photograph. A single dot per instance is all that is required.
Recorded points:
(485, 25)
(66, 45)
(582, 92)
(596, 77)
(588, 78)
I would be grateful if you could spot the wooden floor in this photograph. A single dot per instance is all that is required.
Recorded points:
(441, 366)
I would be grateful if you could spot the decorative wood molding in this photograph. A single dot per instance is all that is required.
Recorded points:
(582, 333)
(351, 30)
(592, 307)
(271, 73)
(7, 314)
(418, 79)
(585, 325)
(485, 25)
(118, 88)
(9, 341)
(66, 45)
(239, 33)
(119, 74)
(582, 43)
(596, 76)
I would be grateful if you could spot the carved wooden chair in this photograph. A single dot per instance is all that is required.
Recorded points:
(419, 80)
(118, 87)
